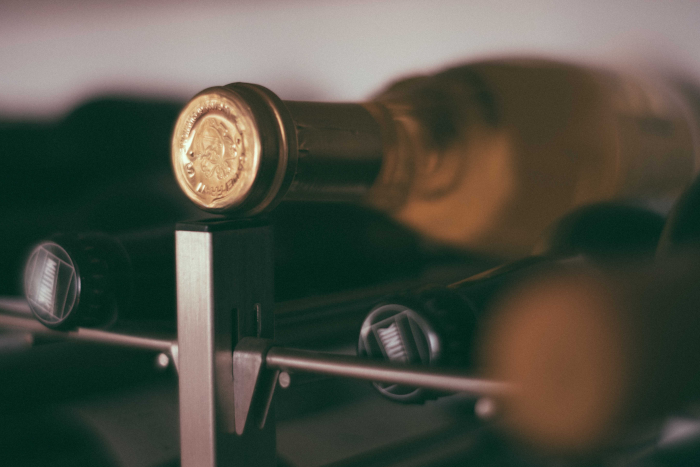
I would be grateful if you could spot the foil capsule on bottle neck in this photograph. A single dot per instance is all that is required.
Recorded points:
(240, 150)
(230, 150)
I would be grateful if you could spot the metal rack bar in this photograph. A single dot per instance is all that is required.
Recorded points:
(286, 359)
(224, 293)
(384, 372)
(29, 324)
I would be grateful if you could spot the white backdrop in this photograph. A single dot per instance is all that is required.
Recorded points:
(53, 54)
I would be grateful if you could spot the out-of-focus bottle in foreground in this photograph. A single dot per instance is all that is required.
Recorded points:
(598, 358)
(483, 156)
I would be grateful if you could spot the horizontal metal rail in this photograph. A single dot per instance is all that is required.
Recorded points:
(281, 358)
(291, 360)
(28, 324)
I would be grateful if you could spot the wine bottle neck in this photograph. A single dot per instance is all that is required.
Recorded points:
(339, 151)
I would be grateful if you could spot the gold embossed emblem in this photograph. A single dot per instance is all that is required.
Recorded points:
(216, 150)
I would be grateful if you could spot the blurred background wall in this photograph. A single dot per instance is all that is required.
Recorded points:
(54, 54)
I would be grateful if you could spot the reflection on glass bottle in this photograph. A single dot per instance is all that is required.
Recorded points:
(483, 156)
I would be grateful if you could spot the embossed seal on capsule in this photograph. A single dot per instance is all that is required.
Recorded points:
(215, 150)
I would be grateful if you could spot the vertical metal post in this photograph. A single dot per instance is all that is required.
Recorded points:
(224, 293)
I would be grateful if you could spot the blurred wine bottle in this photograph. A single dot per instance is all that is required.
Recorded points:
(483, 156)
(102, 167)
(437, 325)
(596, 356)
(94, 279)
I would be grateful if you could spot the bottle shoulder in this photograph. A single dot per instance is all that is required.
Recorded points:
(499, 150)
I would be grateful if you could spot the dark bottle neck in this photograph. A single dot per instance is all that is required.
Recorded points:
(339, 151)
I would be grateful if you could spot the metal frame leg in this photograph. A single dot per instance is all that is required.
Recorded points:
(224, 293)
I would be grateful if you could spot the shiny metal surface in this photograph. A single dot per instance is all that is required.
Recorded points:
(278, 358)
(249, 378)
(195, 325)
(216, 149)
(352, 367)
(234, 148)
(224, 287)
(89, 335)
(240, 148)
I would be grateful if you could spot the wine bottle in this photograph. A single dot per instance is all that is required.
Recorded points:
(94, 279)
(101, 167)
(596, 357)
(438, 325)
(483, 156)
(102, 279)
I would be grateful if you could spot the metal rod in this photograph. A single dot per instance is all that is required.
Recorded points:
(371, 370)
(86, 334)
(288, 360)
